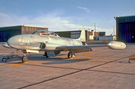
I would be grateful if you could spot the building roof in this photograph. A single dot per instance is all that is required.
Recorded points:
(125, 16)
(69, 31)
(23, 25)
(33, 26)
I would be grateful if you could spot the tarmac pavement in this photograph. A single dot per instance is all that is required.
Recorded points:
(102, 68)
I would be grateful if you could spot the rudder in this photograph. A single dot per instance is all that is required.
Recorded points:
(82, 35)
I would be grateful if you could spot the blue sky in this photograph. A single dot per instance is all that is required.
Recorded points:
(61, 15)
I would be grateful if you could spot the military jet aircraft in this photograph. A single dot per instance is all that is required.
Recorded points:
(52, 44)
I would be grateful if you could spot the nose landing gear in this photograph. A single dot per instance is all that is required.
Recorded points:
(24, 58)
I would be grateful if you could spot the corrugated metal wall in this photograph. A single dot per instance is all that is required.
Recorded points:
(64, 34)
(125, 28)
(30, 30)
(3, 36)
(75, 35)
(7, 32)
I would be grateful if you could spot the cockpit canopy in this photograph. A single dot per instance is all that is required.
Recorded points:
(45, 33)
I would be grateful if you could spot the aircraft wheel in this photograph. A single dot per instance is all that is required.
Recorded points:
(24, 59)
(69, 55)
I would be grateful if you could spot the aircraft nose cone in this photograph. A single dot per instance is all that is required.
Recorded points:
(14, 41)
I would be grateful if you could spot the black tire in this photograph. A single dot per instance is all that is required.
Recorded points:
(46, 54)
(69, 55)
(24, 59)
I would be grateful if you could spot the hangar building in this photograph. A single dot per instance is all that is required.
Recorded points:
(125, 28)
(76, 34)
(7, 32)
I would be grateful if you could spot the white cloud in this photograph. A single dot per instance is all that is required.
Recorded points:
(84, 8)
(3, 15)
(53, 22)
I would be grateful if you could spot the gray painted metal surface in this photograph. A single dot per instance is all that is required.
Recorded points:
(52, 44)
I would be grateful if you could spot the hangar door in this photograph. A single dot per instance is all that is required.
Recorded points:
(127, 31)
(3, 36)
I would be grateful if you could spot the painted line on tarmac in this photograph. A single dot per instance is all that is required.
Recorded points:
(19, 63)
(89, 55)
(43, 81)
(50, 79)
(52, 66)
(112, 72)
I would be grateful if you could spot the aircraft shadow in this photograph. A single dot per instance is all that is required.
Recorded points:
(62, 61)
(48, 61)
(56, 60)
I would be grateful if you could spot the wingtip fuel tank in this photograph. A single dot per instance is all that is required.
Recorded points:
(116, 45)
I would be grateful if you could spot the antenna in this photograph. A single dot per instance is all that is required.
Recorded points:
(95, 28)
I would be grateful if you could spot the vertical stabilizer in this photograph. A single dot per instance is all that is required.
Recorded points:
(82, 36)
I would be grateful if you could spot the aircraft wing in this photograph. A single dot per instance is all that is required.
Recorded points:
(81, 46)
(113, 45)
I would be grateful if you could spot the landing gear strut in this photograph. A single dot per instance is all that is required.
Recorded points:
(24, 58)
(71, 54)
(45, 54)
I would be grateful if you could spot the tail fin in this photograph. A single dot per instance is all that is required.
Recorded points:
(82, 35)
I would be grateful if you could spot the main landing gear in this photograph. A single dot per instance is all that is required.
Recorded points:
(45, 54)
(71, 54)
(24, 57)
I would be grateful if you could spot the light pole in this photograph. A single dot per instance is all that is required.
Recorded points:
(95, 28)
(95, 31)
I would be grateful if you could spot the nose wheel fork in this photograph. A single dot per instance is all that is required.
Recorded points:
(24, 57)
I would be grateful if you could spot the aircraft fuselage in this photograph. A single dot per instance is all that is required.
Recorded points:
(36, 42)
